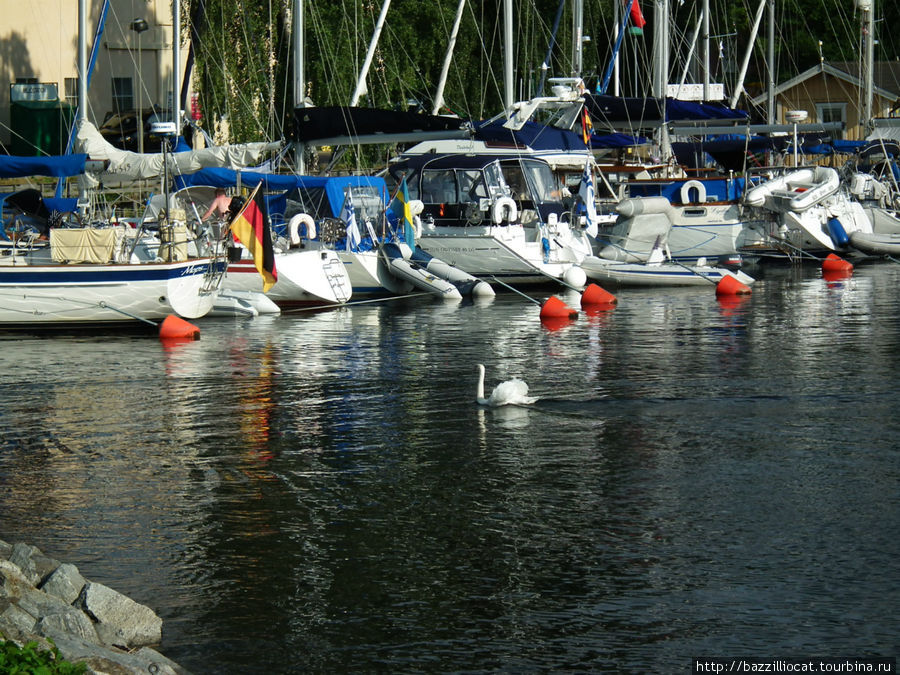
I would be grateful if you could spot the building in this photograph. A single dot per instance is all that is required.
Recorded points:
(133, 66)
(835, 92)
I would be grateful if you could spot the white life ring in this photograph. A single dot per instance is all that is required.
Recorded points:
(504, 207)
(686, 192)
(294, 227)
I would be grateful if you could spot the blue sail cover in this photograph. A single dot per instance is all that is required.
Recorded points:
(532, 135)
(730, 151)
(537, 136)
(638, 111)
(56, 166)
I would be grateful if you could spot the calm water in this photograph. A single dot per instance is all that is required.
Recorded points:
(318, 492)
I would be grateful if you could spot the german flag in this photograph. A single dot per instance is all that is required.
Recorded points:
(587, 127)
(251, 228)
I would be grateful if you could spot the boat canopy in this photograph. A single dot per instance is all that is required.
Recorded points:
(329, 125)
(331, 190)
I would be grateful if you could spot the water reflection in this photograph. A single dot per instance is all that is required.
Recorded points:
(320, 489)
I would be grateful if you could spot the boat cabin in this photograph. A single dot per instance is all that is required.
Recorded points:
(460, 189)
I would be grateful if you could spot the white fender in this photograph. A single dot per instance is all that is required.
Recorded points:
(417, 226)
(416, 206)
(638, 205)
(504, 206)
(686, 191)
(294, 227)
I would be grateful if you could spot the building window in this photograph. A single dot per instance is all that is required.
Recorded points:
(71, 88)
(831, 112)
(122, 94)
(26, 80)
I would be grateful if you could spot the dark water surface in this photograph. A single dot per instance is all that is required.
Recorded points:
(319, 492)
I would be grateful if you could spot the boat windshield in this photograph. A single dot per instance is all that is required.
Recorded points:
(540, 180)
(367, 202)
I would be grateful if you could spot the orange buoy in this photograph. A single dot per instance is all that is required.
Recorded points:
(594, 295)
(729, 285)
(831, 276)
(554, 323)
(730, 304)
(554, 308)
(176, 327)
(834, 263)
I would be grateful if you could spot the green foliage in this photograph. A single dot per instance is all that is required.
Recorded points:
(34, 661)
(244, 59)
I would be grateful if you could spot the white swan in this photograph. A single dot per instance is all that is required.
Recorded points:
(511, 392)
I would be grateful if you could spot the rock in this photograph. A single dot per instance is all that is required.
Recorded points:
(40, 604)
(21, 558)
(18, 618)
(139, 625)
(92, 636)
(64, 583)
(12, 581)
(103, 660)
(72, 622)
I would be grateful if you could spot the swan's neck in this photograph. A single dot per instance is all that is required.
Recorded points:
(479, 392)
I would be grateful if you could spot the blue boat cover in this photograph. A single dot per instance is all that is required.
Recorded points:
(635, 111)
(59, 166)
(334, 186)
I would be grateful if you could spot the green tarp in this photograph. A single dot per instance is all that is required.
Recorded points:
(40, 127)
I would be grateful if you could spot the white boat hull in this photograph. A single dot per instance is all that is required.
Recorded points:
(305, 277)
(500, 252)
(59, 295)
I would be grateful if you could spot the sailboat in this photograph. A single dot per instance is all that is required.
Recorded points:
(67, 276)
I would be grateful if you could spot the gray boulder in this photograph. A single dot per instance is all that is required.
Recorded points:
(133, 623)
(64, 583)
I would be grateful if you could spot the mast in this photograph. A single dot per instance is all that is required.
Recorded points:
(439, 96)
(545, 66)
(705, 50)
(616, 72)
(577, 36)
(81, 114)
(82, 62)
(868, 31)
(361, 82)
(740, 83)
(770, 95)
(661, 70)
(508, 94)
(299, 77)
(176, 66)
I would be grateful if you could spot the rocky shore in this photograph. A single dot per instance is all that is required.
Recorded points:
(89, 623)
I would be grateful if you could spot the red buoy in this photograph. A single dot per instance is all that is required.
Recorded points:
(729, 285)
(832, 276)
(555, 323)
(554, 308)
(594, 295)
(834, 263)
(176, 327)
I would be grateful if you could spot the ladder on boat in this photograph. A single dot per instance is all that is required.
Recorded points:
(337, 279)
